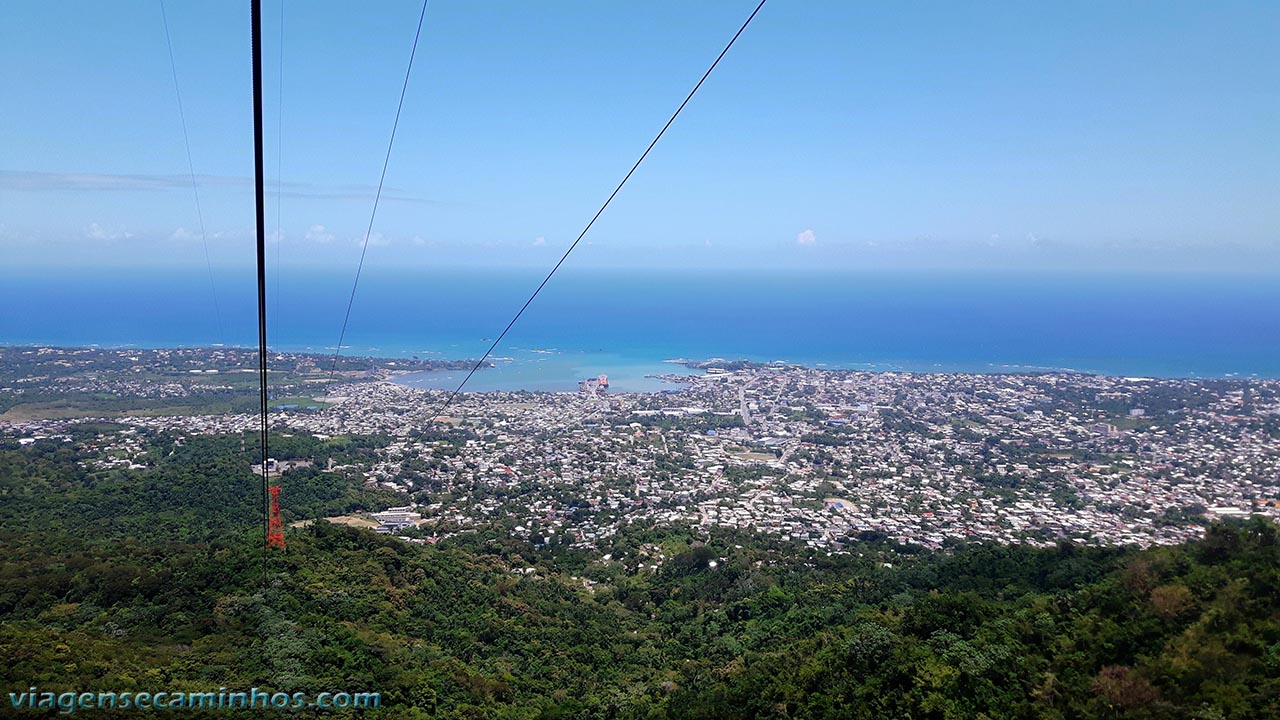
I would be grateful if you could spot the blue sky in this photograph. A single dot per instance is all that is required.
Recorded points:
(1065, 136)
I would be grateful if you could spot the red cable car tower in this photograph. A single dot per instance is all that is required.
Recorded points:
(275, 528)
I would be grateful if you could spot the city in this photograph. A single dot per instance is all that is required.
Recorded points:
(823, 458)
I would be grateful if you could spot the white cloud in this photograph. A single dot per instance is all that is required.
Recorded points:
(539, 241)
(419, 241)
(97, 232)
(12, 237)
(806, 238)
(181, 235)
(376, 240)
(318, 234)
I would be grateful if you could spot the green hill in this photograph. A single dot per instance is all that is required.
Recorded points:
(153, 579)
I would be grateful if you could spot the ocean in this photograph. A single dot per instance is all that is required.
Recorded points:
(626, 324)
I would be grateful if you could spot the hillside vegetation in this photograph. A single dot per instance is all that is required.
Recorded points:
(154, 579)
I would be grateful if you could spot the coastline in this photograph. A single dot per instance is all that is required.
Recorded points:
(1157, 326)
(560, 369)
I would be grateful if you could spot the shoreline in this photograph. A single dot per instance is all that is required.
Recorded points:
(436, 363)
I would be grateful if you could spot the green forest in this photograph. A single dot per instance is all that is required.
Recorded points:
(155, 579)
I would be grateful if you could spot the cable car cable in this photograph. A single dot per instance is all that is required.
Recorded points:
(378, 195)
(261, 221)
(191, 168)
(599, 212)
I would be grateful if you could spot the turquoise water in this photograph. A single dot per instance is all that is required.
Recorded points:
(556, 371)
(626, 324)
